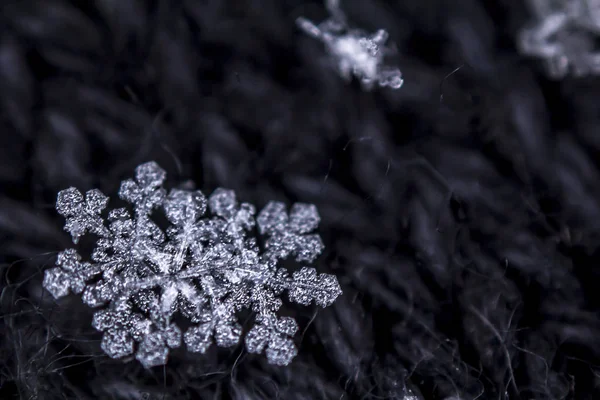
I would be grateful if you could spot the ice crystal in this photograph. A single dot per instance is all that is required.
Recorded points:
(564, 35)
(355, 51)
(206, 266)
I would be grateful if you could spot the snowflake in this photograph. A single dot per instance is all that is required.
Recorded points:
(205, 266)
(356, 52)
(564, 35)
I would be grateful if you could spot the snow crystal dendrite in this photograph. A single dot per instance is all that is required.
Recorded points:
(206, 267)
(356, 52)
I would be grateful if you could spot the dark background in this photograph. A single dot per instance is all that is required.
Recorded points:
(461, 215)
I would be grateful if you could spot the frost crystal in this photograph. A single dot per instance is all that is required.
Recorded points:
(205, 267)
(356, 52)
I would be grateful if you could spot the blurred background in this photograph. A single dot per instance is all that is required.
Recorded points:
(461, 213)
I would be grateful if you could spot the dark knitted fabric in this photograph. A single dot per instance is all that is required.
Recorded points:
(461, 213)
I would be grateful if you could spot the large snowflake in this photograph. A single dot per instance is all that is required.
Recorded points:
(206, 267)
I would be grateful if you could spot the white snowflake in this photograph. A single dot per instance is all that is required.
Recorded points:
(205, 266)
(564, 34)
(355, 51)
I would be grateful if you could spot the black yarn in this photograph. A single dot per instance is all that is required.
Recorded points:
(461, 213)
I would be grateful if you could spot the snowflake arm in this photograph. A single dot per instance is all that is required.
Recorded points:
(145, 192)
(154, 348)
(234, 221)
(288, 235)
(70, 274)
(218, 321)
(272, 335)
(82, 215)
(306, 286)
(122, 328)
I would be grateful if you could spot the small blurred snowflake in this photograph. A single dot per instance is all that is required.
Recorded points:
(356, 52)
(205, 266)
(564, 35)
